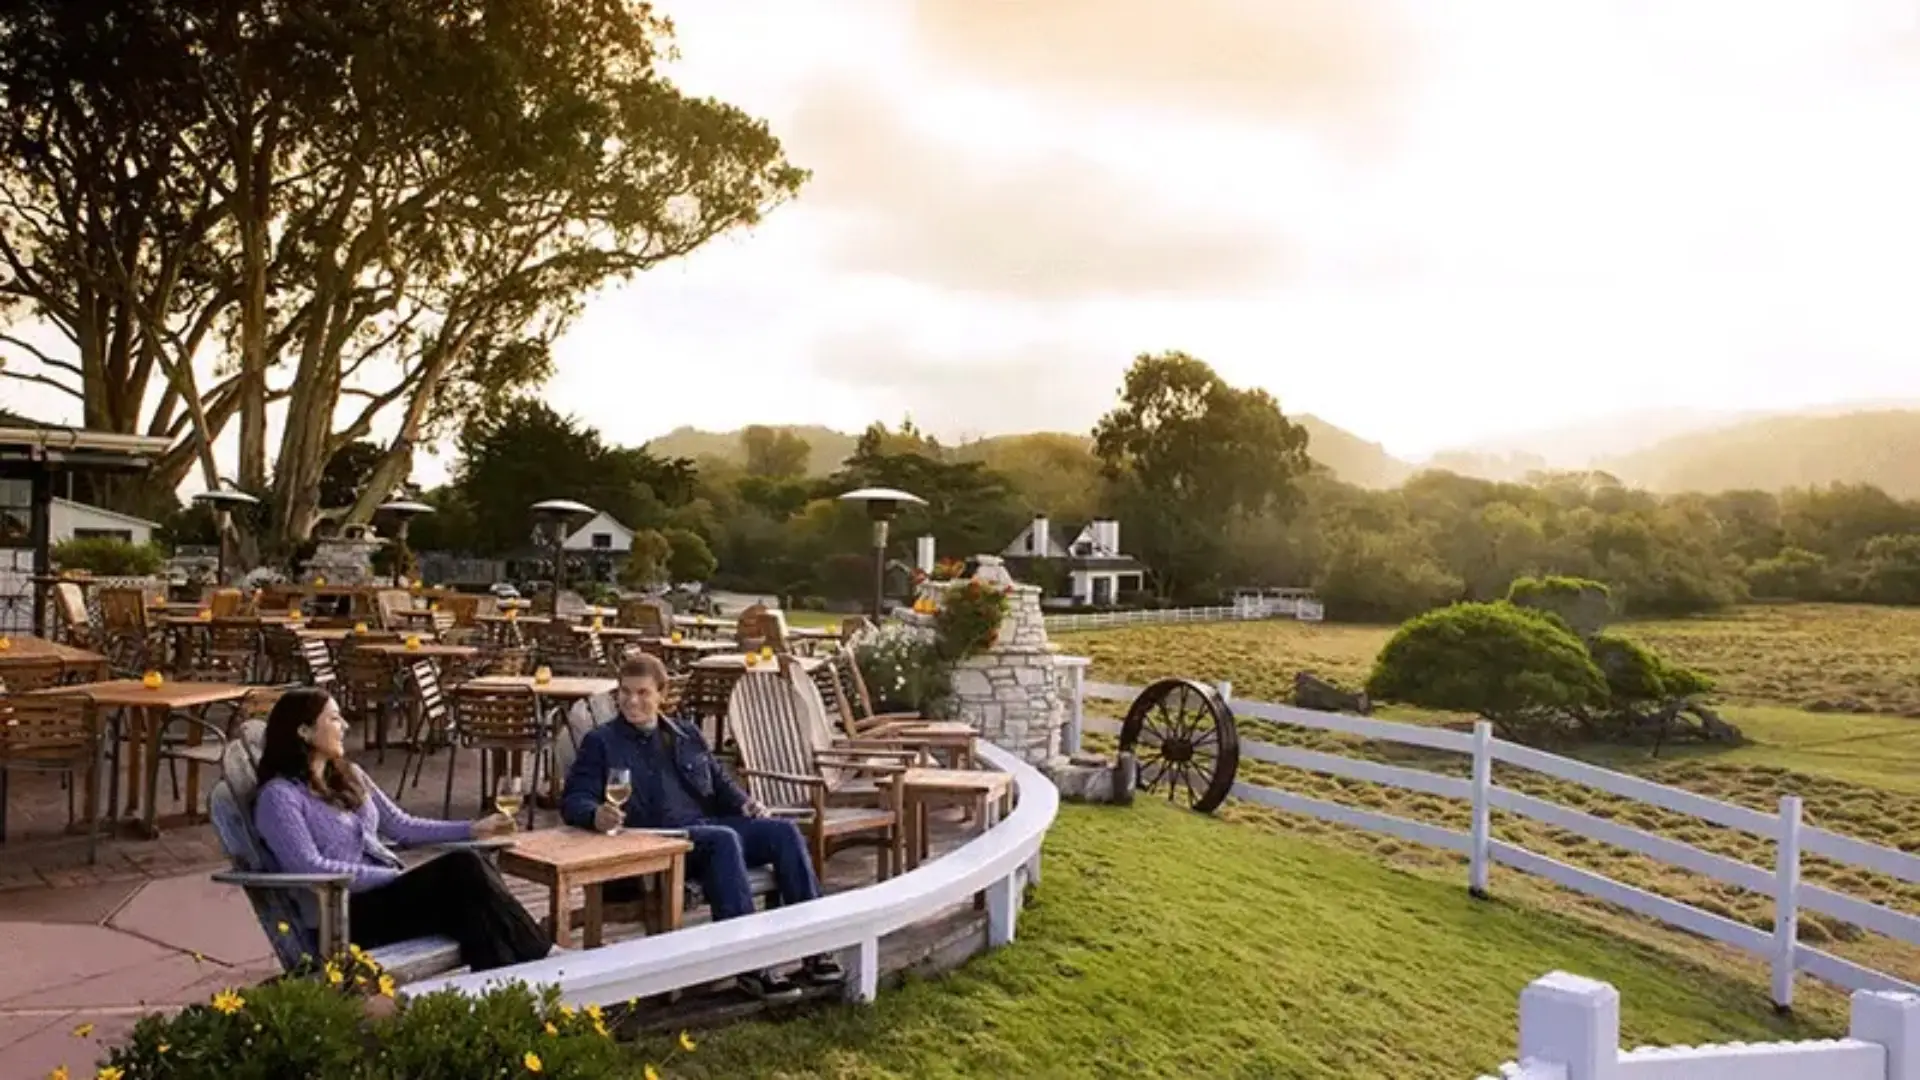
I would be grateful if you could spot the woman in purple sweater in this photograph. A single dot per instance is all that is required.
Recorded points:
(320, 814)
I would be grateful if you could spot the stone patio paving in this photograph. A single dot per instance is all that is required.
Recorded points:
(93, 948)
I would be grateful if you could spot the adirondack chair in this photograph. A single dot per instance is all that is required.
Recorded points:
(314, 907)
(840, 795)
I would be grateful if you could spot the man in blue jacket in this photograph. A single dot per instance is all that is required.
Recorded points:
(677, 784)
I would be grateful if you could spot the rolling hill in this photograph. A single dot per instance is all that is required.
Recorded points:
(1879, 447)
(1042, 461)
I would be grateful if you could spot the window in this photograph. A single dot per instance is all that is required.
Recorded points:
(125, 536)
(16, 512)
(603, 541)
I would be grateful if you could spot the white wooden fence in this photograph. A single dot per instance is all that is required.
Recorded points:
(1793, 838)
(998, 862)
(1303, 610)
(1570, 1030)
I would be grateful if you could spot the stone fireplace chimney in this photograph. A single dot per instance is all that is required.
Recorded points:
(1014, 693)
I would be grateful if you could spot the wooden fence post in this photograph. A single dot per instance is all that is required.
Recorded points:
(1482, 823)
(1786, 904)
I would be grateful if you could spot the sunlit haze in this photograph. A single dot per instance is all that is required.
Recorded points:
(1433, 224)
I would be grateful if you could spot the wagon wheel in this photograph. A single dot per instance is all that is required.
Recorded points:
(1183, 736)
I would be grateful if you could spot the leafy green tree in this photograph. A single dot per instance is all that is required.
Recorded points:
(647, 560)
(381, 208)
(1191, 454)
(348, 472)
(525, 452)
(1793, 574)
(1890, 570)
(774, 453)
(689, 559)
(1522, 670)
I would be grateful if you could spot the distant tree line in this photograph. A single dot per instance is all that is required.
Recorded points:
(1214, 489)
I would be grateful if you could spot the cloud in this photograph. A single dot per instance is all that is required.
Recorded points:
(1033, 386)
(1050, 226)
(1319, 61)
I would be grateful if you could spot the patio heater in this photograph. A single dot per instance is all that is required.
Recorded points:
(403, 511)
(883, 504)
(223, 501)
(553, 513)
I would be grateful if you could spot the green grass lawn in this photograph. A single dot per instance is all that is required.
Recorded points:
(1161, 943)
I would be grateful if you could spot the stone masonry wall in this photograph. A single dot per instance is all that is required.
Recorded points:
(1012, 693)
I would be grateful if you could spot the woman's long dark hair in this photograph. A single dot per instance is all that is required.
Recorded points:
(283, 753)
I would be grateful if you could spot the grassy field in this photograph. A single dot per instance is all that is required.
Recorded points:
(1818, 657)
(1857, 774)
(1161, 943)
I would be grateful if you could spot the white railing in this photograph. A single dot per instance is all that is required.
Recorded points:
(1570, 1030)
(1792, 838)
(1303, 610)
(998, 862)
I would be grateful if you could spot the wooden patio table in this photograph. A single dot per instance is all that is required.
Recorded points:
(148, 709)
(564, 857)
(987, 794)
(26, 648)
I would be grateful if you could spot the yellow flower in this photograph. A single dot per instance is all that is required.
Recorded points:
(531, 1061)
(163, 1048)
(686, 1042)
(593, 1012)
(551, 1030)
(228, 1002)
(283, 927)
(59, 1073)
(109, 1072)
(566, 1011)
(386, 986)
(354, 951)
(334, 975)
(653, 1073)
(83, 1031)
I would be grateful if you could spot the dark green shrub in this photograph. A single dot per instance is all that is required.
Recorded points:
(109, 557)
(1520, 669)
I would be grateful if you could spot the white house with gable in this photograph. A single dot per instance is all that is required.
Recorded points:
(1098, 572)
(601, 535)
(69, 520)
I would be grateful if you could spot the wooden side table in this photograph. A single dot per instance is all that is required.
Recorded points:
(986, 794)
(565, 857)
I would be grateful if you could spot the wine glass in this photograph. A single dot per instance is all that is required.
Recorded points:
(509, 796)
(619, 790)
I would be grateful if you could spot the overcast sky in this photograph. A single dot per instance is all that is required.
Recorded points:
(1432, 223)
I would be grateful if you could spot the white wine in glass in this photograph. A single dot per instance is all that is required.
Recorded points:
(510, 797)
(619, 790)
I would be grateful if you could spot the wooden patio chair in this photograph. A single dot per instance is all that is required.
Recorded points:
(76, 621)
(131, 643)
(760, 627)
(818, 787)
(53, 733)
(368, 694)
(211, 750)
(313, 907)
(504, 725)
(225, 650)
(854, 708)
(429, 719)
(317, 660)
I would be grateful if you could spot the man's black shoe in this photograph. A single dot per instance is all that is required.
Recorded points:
(768, 985)
(822, 971)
